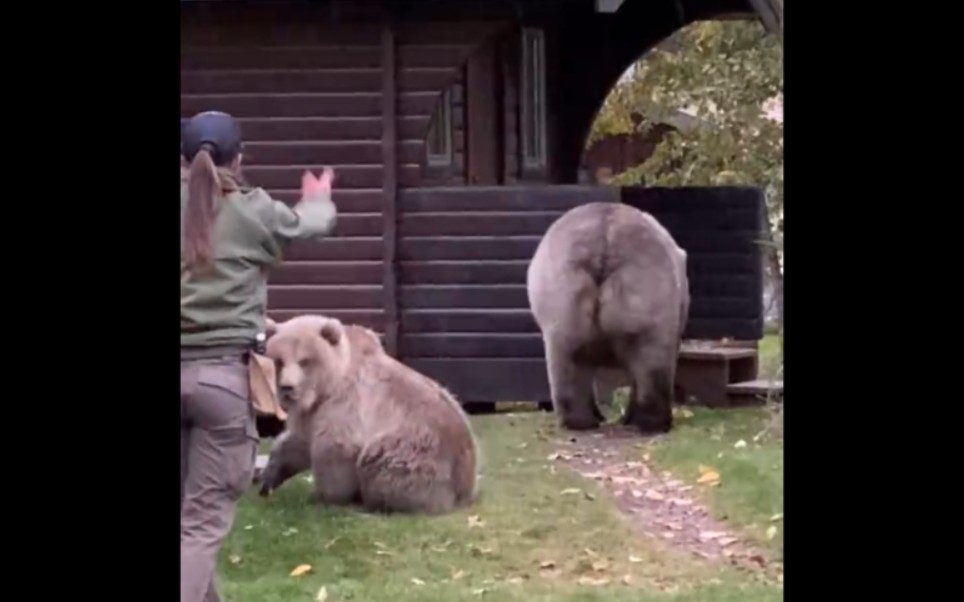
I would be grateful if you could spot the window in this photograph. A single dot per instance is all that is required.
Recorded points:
(533, 106)
(439, 139)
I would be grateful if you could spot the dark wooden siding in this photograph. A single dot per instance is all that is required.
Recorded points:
(306, 81)
(463, 254)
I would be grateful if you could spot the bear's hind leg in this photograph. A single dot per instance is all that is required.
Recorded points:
(653, 373)
(571, 386)
(399, 473)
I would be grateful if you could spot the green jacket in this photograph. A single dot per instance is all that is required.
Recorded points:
(225, 303)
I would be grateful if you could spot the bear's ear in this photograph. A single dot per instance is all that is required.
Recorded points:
(270, 327)
(331, 332)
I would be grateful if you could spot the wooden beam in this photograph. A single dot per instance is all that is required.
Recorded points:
(389, 185)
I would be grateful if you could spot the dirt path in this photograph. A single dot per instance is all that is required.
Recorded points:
(655, 503)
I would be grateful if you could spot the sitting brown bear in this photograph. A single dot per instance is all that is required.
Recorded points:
(372, 430)
(608, 288)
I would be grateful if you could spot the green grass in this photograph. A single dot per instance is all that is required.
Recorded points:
(750, 493)
(525, 522)
(770, 360)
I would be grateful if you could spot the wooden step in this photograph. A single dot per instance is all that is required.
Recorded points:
(704, 372)
(755, 392)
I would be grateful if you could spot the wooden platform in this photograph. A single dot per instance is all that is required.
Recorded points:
(705, 372)
(753, 392)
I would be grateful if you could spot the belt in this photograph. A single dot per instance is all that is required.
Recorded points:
(216, 352)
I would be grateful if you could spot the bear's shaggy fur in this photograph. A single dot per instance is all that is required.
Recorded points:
(372, 430)
(608, 288)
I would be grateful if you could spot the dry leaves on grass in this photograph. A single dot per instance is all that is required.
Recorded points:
(417, 581)
(322, 595)
(476, 521)
(708, 476)
(234, 559)
(594, 581)
(300, 570)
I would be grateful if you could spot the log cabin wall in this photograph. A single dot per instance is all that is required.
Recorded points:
(347, 84)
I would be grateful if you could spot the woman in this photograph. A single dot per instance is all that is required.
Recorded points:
(231, 236)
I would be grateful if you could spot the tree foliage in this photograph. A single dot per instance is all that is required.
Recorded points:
(727, 79)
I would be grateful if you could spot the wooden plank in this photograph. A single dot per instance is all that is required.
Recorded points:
(719, 328)
(339, 296)
(475, 345)
(272, 57)
(432, 55)
(468, 320)
(390, 160)
(410, 127)
(315, 31)
(437, 296)
(347, 176)
(327, 272)
(503, 198)
(368, 318)
(691, 198)
(473, 380)
(280, 80)
(463, 248)
(358, 152)
(477, 223)
(337, 249)
(454, 31)
(348, 200)
(328, 104)
(464, 272)
(483, 157)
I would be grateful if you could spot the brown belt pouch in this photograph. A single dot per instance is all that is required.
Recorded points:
(264, 390)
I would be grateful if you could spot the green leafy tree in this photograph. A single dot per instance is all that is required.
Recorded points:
(720, 84)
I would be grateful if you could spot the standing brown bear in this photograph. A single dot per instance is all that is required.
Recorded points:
(372, 430)
(608, 288)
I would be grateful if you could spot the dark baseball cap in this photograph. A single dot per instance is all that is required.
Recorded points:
(215, 128)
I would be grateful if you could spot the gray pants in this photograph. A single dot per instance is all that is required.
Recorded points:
(219, 439)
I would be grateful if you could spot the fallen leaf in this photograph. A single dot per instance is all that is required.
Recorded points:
(654, 495)
(458, 575)
(290, 531)
(635, 559)
(740, 444)
(514, 580)
(719, 455)
(593, 581)
(710, 477)
(301, 569)
(590, 552)
(637, 493)
(776, 517)
(417, 581)
(332, 542)
(547, 564)
(234, 558)
(600, 565)
(554, 457)
(475, 521)
(627, 580)
(710, 535)
(481, 591)
(589, 496)
(681, 502)
(726, 541)
(322, 595)
(669, 535)
(645, 457)
(570, 491)
(772, 532)
(248, 527)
